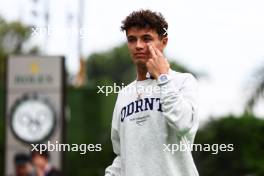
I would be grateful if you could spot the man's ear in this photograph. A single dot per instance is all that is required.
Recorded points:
(164, 41)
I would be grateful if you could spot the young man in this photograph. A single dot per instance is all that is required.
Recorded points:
(148, 127)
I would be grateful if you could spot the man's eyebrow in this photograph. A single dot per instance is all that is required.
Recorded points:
(147, 35)
(130, 36)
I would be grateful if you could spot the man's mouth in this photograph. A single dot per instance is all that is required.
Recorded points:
(140, 54)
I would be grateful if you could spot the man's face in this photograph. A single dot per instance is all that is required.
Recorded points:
(39, 161)
(137, 40)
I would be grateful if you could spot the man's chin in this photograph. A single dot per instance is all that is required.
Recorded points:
(140, 61)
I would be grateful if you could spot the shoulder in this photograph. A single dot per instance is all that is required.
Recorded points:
(180, 75)
(182, 78)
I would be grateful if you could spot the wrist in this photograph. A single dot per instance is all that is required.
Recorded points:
(156, 76)
(163, 79)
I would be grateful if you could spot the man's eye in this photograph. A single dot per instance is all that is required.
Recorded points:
(130, 40)
(147, 39)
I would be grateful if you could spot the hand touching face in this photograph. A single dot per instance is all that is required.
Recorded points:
(157, 64)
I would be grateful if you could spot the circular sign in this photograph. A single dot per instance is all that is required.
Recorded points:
(32, 119)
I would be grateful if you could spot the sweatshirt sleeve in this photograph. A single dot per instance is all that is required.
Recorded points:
(179, 104)
(115, 168)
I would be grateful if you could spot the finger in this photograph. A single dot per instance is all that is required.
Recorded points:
(152, 51)
(150, 63)
(158, 52)
(155, 49)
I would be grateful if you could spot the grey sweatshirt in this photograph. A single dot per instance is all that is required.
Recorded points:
(146, 131)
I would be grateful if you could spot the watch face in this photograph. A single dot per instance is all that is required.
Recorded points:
(32, 120)
(164, 78)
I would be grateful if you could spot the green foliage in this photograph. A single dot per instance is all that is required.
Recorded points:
(114, 66)
(245, 133)
(13, 35)
(257, 90)
(2, 144)
(90, 123)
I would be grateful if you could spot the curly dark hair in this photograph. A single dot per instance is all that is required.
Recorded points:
(146, 19)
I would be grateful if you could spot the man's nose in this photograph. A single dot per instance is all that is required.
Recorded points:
(139, 44)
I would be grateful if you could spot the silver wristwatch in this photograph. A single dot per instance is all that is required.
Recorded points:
(163, 78)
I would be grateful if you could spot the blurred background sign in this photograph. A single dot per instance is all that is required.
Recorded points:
(34, 106)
